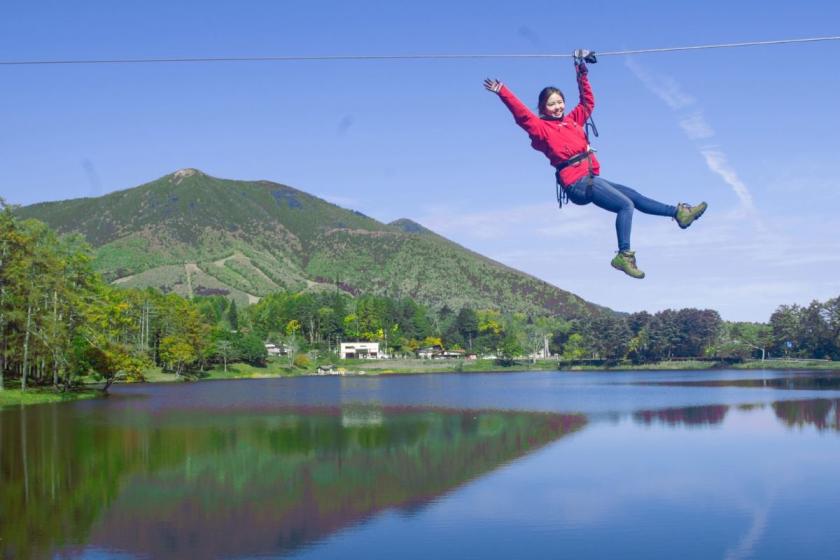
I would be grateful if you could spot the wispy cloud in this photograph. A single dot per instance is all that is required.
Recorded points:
(717, 162)
(665, 88)
(695, 126)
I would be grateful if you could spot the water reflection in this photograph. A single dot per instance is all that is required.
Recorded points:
(223, 470)
(822, 414)
(792, 382)
(691, 416)
(230, 484)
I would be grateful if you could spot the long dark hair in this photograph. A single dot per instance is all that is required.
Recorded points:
(545, 94)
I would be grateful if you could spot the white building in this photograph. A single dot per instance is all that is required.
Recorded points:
(430, 352)
(367, 350)
(274, 350)
(438, 353)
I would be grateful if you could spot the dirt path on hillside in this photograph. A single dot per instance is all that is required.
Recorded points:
(221, 262)
(190, 269)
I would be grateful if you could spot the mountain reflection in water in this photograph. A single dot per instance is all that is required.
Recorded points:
(232, 484)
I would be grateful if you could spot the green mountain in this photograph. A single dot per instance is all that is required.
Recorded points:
(195, 234)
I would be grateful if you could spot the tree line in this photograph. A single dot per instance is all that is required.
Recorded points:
(59, 320)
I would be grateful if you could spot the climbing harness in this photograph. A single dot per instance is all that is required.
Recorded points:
(562, 195)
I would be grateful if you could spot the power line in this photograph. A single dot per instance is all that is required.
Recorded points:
(399, 56)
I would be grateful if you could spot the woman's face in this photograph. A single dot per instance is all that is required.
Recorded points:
(554, 106)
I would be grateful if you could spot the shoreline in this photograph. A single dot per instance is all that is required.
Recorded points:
(40, 395)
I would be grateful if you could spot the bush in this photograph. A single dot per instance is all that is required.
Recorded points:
(302, 361)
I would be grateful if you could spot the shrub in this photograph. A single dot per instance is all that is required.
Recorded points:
(302, 361)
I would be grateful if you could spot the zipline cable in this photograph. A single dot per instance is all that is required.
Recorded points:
(401, 56)
(721, 46)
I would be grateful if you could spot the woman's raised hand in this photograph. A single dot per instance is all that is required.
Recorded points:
(492, 85)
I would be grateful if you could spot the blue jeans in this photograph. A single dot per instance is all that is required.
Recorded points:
(619, 199)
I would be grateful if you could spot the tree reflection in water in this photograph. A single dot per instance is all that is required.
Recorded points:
(685, 416)
(200, 485)
(175, 482)
(823, 414)
(808, 382)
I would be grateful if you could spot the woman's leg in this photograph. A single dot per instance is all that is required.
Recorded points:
(604, 195)
(608, 197)
(684, 214)
(644, 204)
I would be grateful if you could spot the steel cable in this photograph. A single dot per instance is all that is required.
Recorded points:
(401, 56)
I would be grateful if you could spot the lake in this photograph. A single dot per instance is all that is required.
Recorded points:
(723, 464)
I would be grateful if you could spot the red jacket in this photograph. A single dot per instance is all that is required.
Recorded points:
(558, 139)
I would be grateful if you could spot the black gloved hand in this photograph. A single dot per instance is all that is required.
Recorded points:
(585, 55)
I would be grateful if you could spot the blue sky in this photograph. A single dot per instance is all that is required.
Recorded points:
(753, 131)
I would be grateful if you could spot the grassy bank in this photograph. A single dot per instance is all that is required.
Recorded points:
(280, 368)
(41, 395)
(234, 371)
(790, 364)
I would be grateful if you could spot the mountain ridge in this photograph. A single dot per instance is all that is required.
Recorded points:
(196, 234)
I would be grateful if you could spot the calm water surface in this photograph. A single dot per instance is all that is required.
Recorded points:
(527, 465)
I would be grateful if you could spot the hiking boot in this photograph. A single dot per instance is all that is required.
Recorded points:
(687, 213)
(625, 261)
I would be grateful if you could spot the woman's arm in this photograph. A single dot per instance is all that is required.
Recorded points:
(521, 114)
(586, 104)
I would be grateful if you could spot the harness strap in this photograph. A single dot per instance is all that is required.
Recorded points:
(574, 159)
(562, 195)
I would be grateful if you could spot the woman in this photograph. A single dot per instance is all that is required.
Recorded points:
(563, 140)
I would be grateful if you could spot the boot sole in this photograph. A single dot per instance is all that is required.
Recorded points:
(697, 217)
(627, 273)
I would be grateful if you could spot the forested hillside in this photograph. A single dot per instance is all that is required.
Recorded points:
(193, 234)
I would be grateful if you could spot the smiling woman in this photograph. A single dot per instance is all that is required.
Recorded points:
(251, 93)
(565, 142)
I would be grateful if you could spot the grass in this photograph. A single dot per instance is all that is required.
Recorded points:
(41, 395)
(280, 368)
(454, 366)
(274, 368)
(420, 366)
(790, 364)
(247, 371)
